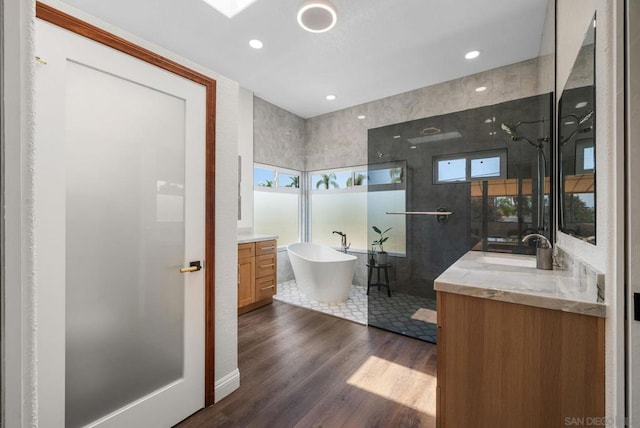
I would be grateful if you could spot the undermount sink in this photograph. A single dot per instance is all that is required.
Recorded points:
(508, 261)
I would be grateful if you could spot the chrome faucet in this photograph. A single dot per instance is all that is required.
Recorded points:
(345, 247)
(544, 251)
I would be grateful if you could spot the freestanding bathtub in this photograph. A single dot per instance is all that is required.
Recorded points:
(322, 273)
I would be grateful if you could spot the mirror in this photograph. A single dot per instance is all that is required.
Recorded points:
(577, 145)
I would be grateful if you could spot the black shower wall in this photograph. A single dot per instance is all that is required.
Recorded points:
(432, 247)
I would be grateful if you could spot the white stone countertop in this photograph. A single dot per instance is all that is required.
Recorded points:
(514, 278)
(255, 237)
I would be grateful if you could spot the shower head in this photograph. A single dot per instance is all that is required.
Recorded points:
(585, 118)
(508, 129)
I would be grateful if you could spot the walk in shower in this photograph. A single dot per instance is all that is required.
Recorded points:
(476, 179)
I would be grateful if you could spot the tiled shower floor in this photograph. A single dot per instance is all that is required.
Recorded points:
(404, 314)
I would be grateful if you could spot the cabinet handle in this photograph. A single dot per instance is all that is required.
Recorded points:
(267, 248)
(266, 266)
(266, 288)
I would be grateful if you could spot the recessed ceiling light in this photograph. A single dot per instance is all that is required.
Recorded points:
(412, 147)
(488, 120)
(581, 104)
(362, 116)
(330, 97)
(396, 136)
(256, 44)
(481, 88)
(317, 16)
(472, 54)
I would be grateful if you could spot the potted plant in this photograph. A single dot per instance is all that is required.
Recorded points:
(382, 255)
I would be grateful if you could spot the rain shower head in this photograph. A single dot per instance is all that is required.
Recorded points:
(586, 118)
(509, 129)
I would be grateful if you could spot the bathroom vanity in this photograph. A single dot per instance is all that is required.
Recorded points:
(518, 346)
(257, 271)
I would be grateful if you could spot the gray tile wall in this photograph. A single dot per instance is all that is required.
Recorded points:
(339, 139)
(278, 136)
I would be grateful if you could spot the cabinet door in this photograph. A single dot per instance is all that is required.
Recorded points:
(265, 287)
(246, 250)
(265, 247)
(265, 265)
(246, 281)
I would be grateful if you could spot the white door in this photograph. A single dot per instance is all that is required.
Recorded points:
(119, 202)
(633, 209)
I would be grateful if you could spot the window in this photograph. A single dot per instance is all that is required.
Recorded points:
(276, 203)
(470, 167)
(352, 199)
(264, 177)
(585, 156)
(452, 170)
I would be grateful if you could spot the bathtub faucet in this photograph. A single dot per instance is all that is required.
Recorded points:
(345, 247)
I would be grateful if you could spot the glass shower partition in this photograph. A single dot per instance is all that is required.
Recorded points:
(489, 167)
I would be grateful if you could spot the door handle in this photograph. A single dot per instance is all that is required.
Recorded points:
(193, 267)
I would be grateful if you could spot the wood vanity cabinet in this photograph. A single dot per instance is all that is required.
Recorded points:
(257, 273)
(511, 365)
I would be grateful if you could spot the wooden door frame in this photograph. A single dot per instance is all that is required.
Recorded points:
(75, 25)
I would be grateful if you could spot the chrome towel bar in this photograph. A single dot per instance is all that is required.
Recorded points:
(421, 212)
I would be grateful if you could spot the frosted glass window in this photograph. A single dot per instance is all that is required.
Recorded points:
(485, 167)
(277, 214)
(352, 213)
(452, 170)
(125, 175)
(343, 211)
(378, 204)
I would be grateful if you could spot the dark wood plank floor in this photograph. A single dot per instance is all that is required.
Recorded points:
(300, 368)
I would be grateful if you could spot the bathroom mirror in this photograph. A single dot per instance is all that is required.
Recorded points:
(577, 145)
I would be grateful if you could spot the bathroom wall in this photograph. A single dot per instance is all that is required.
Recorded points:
(278, 139)
(573, 18)
(339, 139)
(19, 359)
(278, 136)
(245, 152)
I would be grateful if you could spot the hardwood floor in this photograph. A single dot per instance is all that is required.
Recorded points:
(300, 368)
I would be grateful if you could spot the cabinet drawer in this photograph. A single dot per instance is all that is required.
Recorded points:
(265, 247)
(265, 287)
(265, 265)
(246, 250)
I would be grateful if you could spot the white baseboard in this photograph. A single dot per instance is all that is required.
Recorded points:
(226, 385)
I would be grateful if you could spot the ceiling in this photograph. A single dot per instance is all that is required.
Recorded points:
(378, 48)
